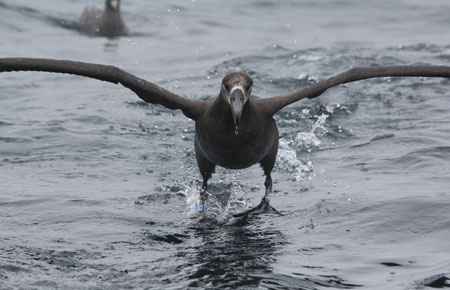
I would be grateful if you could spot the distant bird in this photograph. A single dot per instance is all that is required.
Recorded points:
(107, 22)
(234, 130)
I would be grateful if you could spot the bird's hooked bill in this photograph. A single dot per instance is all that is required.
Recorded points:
(237, 104)
(115, 4)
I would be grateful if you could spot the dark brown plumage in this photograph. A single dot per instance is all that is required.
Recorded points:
(233, 130)
(107, 22)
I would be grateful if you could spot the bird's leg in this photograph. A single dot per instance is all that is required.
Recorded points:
(206, 170)
(265, 200)
(263, 206)
(203, 196)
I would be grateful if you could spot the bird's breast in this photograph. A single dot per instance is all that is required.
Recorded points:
(222, 146)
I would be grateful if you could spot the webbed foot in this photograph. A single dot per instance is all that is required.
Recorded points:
(262, 207)
(201, 204)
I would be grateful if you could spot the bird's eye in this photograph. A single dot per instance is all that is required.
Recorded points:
(248, 88)
(226, 87)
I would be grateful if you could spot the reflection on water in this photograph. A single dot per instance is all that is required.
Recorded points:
(111, 45)
(236, 255)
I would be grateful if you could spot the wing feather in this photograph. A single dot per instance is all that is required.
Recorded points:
(145, 90)
(274, 104)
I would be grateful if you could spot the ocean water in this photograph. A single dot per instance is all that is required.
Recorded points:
(97, 189)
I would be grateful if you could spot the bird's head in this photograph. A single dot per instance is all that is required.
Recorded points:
(236, 90)
(113, 4)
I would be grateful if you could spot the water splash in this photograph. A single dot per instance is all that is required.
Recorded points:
(236, 201)
(288, 162)
(225, 199)
(308, 140)
(288, 159)
(192, 193)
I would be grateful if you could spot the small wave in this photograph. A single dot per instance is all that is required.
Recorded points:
(13, 268)
(6, 123)
(437, 281)
(411, 216)
(24, 202)
(215, 23)
(173, 239)
(240, 63)
(301, 281)
(391, 264)
(92, 119)
(160, 197)
(150, 109)
(374, 139)
(15, 140)
(431, 156)
(39, 15)
(419, 47)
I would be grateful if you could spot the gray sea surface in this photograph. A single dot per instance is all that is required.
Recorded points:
(98, 189)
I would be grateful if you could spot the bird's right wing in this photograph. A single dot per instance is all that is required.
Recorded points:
(274, 104)
(145, 90)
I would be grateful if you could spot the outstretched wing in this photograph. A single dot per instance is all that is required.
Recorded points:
(147, 91)
(274, 104)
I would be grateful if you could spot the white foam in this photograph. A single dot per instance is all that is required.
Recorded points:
(288, 159)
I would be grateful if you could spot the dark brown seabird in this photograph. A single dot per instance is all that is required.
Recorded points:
(234, 130)
(107, 22)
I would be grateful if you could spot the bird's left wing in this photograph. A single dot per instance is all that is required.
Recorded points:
(274, 104)
(145, 90)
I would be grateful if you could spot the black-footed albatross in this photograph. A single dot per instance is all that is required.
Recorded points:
(107, 22)
(234, 130)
